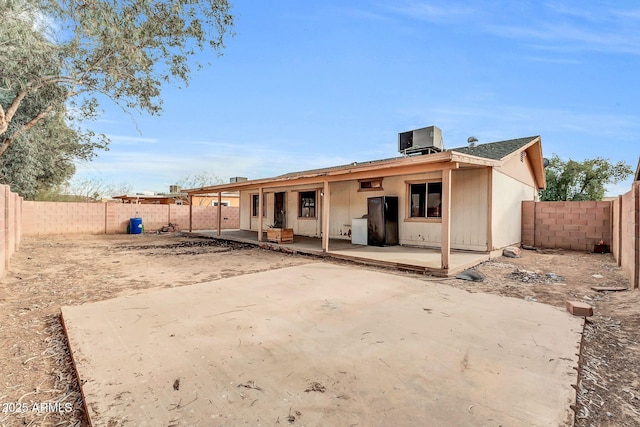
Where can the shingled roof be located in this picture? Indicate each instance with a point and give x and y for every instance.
(490, 154)
(495, 150)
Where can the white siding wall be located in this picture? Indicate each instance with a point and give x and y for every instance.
(248, 222)
(508, 194)
(245, 210)
(305, 227)
(469, 209)
(346, 204)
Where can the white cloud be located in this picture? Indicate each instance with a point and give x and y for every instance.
(568, 29)
(147, 171)
(552, 60)
(619, 188)
(429, 11)
(127, 139)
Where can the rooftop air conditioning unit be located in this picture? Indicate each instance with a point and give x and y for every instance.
(424, 141)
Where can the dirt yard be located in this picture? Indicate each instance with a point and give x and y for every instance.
(39, 386)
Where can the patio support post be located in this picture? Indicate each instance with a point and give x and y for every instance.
(489, 209)
(446, 218)
(260, 213)
(190, 213)
(219, 213)
(325, 216)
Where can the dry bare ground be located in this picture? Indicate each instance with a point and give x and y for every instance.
(39, 386)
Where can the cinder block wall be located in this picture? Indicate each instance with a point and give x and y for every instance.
(569, 225)
(4, 260)
(118, 216)
(44, 218)
(627, 228)
(205, 217)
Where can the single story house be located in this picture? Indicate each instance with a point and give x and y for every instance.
(466, 198)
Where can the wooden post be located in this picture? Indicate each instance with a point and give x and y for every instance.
(260, 213)
(489, 208)
(219, 213)
(446, 218)
(325, 216)
(190, 213)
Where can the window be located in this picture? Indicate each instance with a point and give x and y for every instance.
(425, 200)
(418, 192)
(307, 204)
(215, 203)
(374, 184)
(255, 200)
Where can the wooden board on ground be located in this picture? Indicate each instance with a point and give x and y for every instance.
(609, 288)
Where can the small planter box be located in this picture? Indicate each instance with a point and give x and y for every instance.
(280, 235)
(601, 249)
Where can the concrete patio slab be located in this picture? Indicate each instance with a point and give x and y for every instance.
(322, 344)
(426, 260)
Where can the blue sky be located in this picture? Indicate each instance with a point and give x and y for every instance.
(314, 84)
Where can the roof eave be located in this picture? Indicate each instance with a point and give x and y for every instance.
(459, 157)
(324, 174)
(534, 153)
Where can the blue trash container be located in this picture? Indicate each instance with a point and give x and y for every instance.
(135, 226)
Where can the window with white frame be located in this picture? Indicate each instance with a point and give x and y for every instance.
(425, 200)
(307, 204)
(255, 205)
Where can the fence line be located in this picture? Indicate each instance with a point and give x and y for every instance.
(45, 218)
(582, 225)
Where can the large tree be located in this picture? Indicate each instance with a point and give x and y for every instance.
(45, 156)
(71, 51)
(586, 180)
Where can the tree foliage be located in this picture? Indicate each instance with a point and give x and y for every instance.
(44, 157)
(198, 180)
(68, 52)
(89, 189)
(586, 180)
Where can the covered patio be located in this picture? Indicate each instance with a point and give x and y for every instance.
(422, 260)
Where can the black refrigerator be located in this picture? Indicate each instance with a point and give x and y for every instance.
(382, 221)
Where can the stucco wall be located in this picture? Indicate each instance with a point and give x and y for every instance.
(518, 167)
(506, 208)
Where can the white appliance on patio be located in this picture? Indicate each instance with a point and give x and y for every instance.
(359, 231)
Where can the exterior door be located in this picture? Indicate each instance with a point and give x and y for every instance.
(279, 218)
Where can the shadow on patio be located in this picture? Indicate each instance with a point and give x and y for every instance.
(421, 260)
